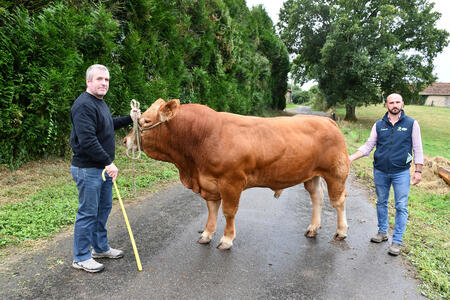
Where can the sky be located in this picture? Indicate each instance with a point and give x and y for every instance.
(441, 62)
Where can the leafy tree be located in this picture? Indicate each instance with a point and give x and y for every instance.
(274, 49)
(360, 51)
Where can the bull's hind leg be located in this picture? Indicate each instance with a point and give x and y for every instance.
(211, 223)
(337, 194)
(314, 187)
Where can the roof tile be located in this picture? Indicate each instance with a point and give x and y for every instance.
(437, 89)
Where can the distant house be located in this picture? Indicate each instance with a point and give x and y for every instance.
(437, 94)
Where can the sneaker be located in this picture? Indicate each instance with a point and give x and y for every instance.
(111, 253)
(89, 265)
(379, 237)
(395, 249)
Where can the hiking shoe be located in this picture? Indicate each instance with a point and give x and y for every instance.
(89, 265)
(379, 237)
(111, 253)
(395, 249)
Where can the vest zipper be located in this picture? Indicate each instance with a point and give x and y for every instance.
(390, 150)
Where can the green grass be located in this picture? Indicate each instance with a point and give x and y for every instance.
(40, 198)
(427, 234)
(291, 105)
(427, 239)
(42, 214)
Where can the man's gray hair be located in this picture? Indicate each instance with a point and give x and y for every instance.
(91, 69)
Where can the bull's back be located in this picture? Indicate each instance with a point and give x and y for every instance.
(283, 151)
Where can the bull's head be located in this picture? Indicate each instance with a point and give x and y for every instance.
(160, 112)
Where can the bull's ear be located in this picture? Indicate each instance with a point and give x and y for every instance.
(169, 110)
(159, 102)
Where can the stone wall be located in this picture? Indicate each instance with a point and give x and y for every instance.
(441, 101)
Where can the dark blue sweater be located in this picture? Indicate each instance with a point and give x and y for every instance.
(92, 137)
(394, 144)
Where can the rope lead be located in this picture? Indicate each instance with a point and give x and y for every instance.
(135, 136)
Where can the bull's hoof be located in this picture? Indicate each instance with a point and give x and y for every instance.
(339, 236)
(310, 233)
(203, 240)
(225, 243)
(224, 246)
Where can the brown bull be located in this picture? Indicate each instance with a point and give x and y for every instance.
(220, 154)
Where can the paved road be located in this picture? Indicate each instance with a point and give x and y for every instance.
(270, 259)
(306, 110)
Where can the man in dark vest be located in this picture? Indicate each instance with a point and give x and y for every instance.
(93, 145)
(396, 137)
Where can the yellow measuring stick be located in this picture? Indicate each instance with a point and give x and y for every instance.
(136, 254)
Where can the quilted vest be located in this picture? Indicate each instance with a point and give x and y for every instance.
(393, 152)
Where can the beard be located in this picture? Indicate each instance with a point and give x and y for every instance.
(395, 111)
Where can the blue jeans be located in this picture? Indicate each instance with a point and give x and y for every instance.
(401, 183)
(95, 203)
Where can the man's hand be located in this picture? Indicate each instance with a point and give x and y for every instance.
(417, 178)
(357, 155)
(417, 174)
(135, 113)
(112, 171)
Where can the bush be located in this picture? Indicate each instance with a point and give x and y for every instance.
(213, 52)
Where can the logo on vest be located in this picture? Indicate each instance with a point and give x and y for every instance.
(384, 129)
(409, 158)
(402, 128)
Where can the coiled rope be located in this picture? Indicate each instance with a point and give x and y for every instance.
(136, 134)
(135, 137)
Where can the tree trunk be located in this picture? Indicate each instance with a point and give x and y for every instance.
(350, 113)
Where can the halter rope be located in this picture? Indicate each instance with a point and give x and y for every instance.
(136, 135)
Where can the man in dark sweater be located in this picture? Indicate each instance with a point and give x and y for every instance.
(93, 145)
(396, 136)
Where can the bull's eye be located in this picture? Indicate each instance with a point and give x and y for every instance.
(147, 121)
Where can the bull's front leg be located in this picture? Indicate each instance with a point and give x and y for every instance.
(211, 223)
(230, 203)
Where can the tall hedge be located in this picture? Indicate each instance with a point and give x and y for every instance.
(204, 51)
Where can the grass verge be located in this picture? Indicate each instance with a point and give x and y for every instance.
(428, 230)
